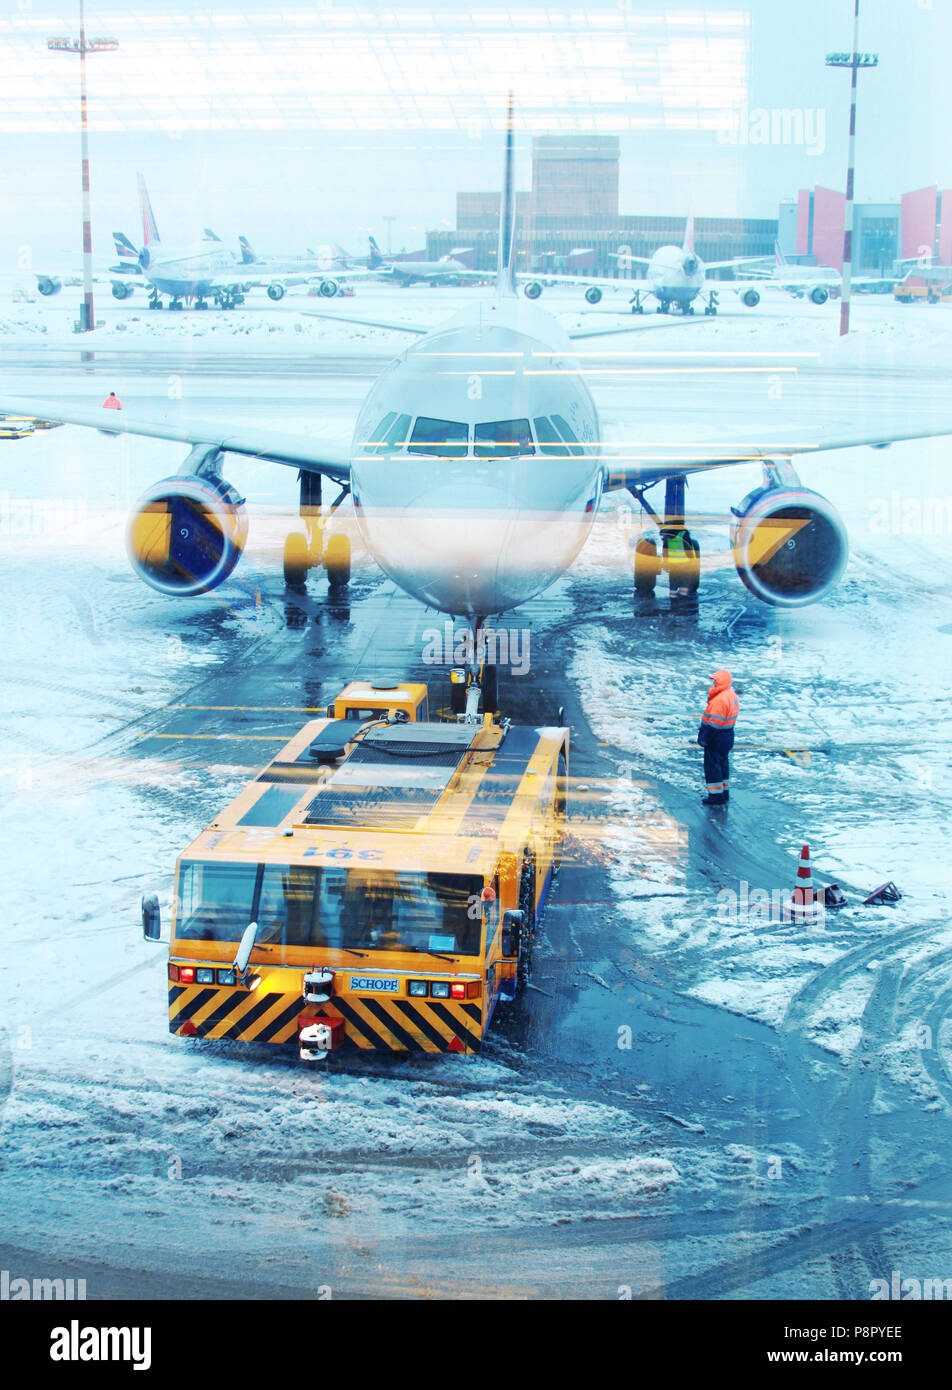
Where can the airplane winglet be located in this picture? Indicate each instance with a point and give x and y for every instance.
(506, 258)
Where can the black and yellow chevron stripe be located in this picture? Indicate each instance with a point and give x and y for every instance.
(370, 1023)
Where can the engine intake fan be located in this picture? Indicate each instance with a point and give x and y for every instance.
(790, 545)
(187, 534)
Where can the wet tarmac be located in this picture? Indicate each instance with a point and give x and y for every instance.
(802, 1171)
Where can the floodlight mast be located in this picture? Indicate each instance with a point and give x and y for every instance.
(87, 315)
(854, 61)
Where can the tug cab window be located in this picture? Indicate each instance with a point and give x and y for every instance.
(389, 434)
(501, 439)
(556, 438)
(439, 438)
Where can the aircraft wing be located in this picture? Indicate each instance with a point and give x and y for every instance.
(627, 466)
(738, 260)
(254, 441)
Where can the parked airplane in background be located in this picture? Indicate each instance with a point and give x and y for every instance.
(675, 276)
(474, 501)
(446, 271)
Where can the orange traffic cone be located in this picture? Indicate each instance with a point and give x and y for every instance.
(803, 907)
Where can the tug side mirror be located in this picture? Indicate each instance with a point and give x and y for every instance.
(245, 945)
(509, 934)
(151, 918)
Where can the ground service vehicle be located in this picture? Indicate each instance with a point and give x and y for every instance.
(377, 886)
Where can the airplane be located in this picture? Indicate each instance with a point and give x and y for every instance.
(817, 282)
(446, 271)
(674, 276)
(127, 265)
(476, 469)
(203, 270)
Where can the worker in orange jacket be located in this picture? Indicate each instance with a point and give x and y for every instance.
(112, 402)
(716, 737)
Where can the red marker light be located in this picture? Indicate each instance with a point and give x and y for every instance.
(187, 974)
(458, 991)
(488, 894)
(455, 1045)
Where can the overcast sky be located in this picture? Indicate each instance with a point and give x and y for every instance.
(309, 120)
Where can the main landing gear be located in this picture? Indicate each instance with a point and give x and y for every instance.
(306, 550)
(680, 556)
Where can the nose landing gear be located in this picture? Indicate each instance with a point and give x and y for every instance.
(474, 690)
(305, 550)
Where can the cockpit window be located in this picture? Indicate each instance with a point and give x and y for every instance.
(389, 434)
(439, 438)
(551, 441)
(502, 439)
(565, 431)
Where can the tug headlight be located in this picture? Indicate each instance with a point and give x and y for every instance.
(203, 976)
(440, 989)
(417, 989)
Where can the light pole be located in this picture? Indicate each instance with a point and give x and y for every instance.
(87, 316)
(389, 221)
(854, 61)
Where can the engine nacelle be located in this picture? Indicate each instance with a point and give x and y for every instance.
(186, 534)
(593, 294)
(48, 284)
(121, 291)
(532, 290)
(819, 295)
(790, 545)
(751, 298)
(276, 291)
(328, 288)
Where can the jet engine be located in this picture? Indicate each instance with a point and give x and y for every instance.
(790, 545)
(186, 534)
(276, 291)
(328, 288)
(751, 298)
(532, 290)
(819, 295)
(121, 291)
(48, 284)
(593, 294)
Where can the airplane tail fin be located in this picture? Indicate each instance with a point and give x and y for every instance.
(689, 232)
(375, 258)
(506, 256)
(209, 235)
(248, 256)
(150, 232)
(778, 252)
(127, 253)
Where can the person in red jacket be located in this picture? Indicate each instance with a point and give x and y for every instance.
(716, 737)
(112, 402)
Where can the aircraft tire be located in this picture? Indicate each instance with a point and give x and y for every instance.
(647, 568)
(337, 561)
(296, 559)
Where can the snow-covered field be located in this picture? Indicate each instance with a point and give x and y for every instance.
(129, 1148)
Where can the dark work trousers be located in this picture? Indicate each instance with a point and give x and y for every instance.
(716, 767)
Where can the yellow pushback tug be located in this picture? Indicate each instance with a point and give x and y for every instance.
(377, 886)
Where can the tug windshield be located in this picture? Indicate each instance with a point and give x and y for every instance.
(362, 910)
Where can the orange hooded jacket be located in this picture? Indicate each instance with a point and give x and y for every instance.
(720, 715)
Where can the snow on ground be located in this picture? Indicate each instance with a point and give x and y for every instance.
(840, 744)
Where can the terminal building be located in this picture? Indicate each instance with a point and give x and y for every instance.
(811, 230)
(569, 220)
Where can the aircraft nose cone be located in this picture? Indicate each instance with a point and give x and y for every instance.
(690, 265)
